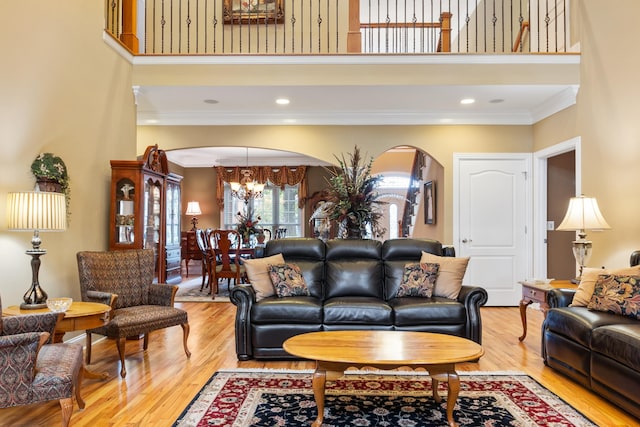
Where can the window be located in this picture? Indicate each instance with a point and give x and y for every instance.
(277, 208)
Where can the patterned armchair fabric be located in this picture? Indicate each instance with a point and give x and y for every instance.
(32, 372)
(125, 278)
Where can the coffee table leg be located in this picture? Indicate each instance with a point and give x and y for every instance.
(452, 396)
(319, 381)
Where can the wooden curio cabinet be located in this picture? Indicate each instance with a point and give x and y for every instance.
(145, 211)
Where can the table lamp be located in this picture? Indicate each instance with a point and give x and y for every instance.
(36, 211)
(193, 209)
(583, 214)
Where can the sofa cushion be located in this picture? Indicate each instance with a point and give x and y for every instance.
(396, 253)
(578, 323)
(450, 274)
(258, 274)
(287, 310)
(418, 280)
(308, 253)
(411, 311)
(354, 268)
(617, 295)
(588, 283)
(357, 311)
(619, 342)
(287, 280)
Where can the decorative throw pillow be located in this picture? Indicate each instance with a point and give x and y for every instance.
(258, 274)
(589, 279)
(287, 280)
(418, 280)
(617, 294)
(450, 274)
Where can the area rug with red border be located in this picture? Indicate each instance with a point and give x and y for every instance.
(387, 399)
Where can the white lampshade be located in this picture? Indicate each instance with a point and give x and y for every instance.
(583, 214)
(36, 210)
(193, 208)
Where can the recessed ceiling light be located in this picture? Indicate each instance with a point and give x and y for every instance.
(152, 121)
(290, 121)
(446, 121)
(282, 101)
(466, 101)
(210, 101)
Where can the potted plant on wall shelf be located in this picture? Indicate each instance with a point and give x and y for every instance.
(353, 198)
(51, 175)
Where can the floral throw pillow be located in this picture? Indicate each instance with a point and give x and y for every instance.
(287, 280)
(418, 280)
(617, 294)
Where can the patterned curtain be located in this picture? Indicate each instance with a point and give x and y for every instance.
(276, 175)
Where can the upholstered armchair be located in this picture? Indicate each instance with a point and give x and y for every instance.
(124, 279)
(32, 369)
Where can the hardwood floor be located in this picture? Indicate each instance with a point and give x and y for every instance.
(162, 381)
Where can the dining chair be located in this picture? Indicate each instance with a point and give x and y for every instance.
(139, 307)
(203, 240)
(227, 251)
(34, 370)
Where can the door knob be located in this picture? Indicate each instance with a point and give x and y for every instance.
(465, 240)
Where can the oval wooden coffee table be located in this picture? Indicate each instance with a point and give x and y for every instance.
(335, 351)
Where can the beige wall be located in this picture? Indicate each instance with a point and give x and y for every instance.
(322, 142)
(606, 119)
(63, 91)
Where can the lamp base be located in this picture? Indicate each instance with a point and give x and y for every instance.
(25, 306)
(35, 297)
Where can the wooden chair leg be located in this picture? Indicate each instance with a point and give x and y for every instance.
(78, 386)
(185, 335)
(88, 348)
(67, 409)
(145, 341)
(120, 344)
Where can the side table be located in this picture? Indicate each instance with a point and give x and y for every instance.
(537, 292)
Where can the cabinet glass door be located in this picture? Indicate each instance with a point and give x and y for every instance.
(125, 212)
(152, 212)
(173, 214)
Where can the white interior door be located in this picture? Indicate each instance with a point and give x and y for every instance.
(492, 220)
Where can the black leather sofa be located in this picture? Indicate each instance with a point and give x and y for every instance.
(599, 350)
(353, 284)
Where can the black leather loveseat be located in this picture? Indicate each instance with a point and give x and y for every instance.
(352, 285)
(599, 350)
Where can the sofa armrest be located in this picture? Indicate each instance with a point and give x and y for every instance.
(243, 296)
(560, 297)
(473, 297)
(162, 294)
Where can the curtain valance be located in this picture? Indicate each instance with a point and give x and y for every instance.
(276, 175)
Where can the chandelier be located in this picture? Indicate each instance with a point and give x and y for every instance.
(247, 188)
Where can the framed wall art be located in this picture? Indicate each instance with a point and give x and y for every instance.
(430, 202)
(253, 11)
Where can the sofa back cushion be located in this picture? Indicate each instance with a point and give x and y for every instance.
(396, 253)
(354, 268)
(306, 253)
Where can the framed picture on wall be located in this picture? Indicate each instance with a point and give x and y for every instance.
(430, 202)
(253, 11)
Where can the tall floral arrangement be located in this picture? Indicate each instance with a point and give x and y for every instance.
(353, 197)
